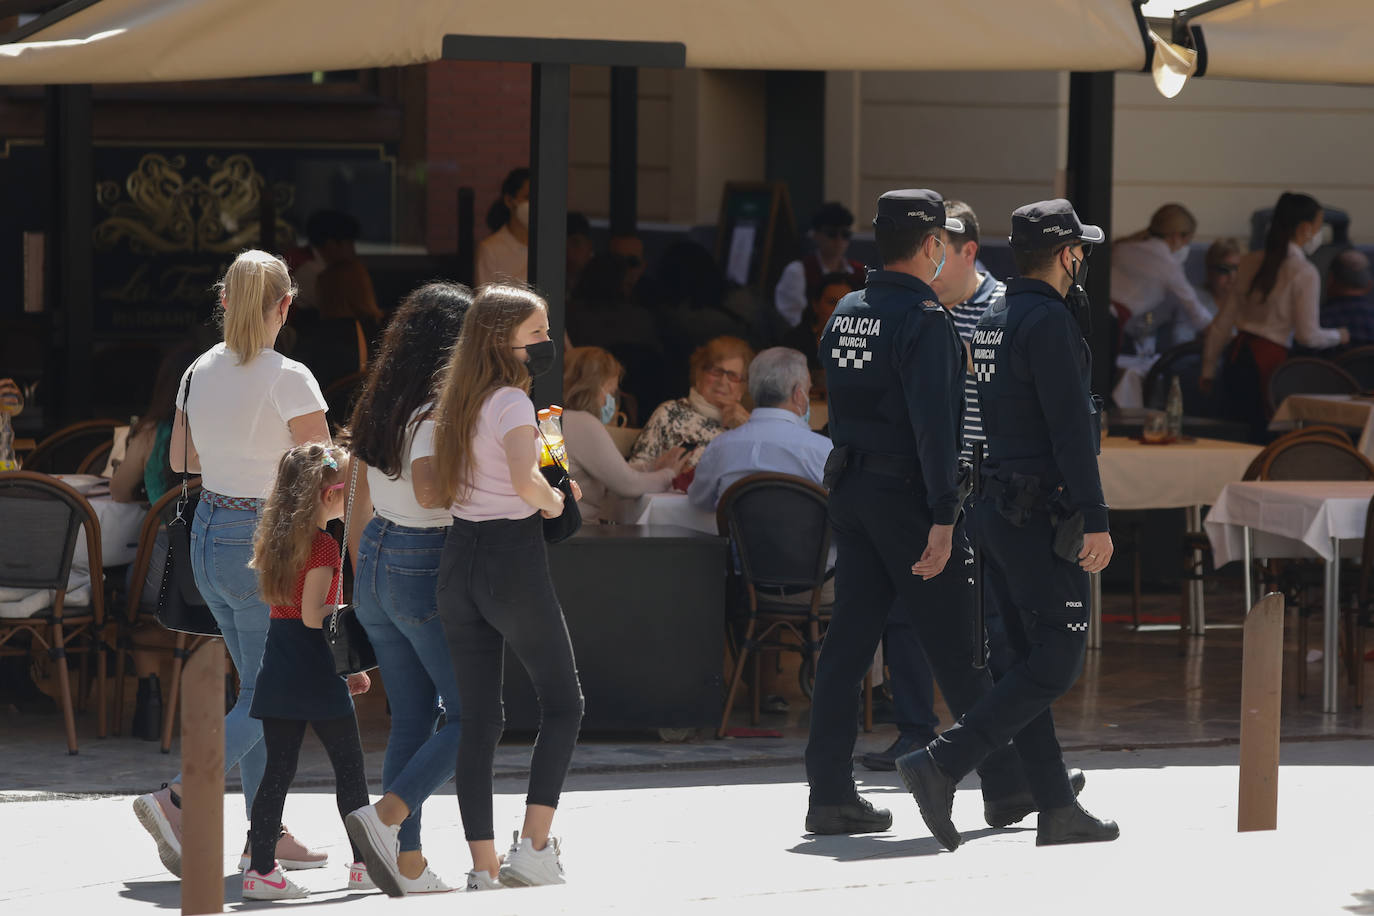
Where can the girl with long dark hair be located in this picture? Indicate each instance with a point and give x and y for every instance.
(1275, 300)
(397, 555)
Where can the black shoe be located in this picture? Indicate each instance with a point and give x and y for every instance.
(854, 816)
(1007, 811)
(1071, 824)
(886, 761)
(147, 723)
(934, 793)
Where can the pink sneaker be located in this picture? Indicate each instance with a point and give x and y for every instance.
(160, 814)
(292, 854)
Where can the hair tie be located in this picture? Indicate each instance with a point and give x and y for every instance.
(330, 462)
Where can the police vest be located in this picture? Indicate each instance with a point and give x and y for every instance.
(1012, 417)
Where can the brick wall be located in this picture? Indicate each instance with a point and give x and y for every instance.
(478, 130)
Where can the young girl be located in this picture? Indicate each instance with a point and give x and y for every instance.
(494, 587)
(299, 572)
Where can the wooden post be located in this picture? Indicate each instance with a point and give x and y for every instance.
(202, 786)
(1261, 694)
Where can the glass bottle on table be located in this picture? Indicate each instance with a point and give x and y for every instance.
(1173, 411)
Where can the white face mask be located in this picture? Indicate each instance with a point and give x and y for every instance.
(522, 213)
(1181, 256)
(1311, 245)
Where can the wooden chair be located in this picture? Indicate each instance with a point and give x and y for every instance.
(96, 459)
(64, 451)
(1308, 375)
(1359, 362)
(38, 543)
(779, 535)
(624, 438)
(139, 617)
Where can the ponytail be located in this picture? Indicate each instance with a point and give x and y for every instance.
(1290, 211)
(252, 287)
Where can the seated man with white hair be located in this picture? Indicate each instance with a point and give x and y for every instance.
(776, 439)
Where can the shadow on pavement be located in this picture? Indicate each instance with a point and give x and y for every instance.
(875, 846)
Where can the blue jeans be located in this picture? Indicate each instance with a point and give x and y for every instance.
(393, 592)
(221, 546)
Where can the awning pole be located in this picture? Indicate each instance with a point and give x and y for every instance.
(70, 221)
(550, 97)
(1092, 109)
(624, 204)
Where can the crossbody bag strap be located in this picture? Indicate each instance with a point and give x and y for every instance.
(185, 441)
(343, 548)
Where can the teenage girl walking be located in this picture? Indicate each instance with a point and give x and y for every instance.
(300, 573)
(494, 586)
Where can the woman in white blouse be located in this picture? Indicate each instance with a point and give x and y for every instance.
(591, 377)
(247, 405)
(1275, 300)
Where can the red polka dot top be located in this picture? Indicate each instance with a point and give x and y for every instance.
(324, 552)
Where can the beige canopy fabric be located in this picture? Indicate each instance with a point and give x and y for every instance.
(1299, 41)
(161, 40)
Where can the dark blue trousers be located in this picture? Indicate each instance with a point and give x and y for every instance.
(910, 680)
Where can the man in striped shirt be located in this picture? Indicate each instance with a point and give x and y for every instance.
(966, 292)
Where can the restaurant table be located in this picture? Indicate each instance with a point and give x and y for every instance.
(673, 508)
(1353, 411)
(645, 610)
(1295, 519)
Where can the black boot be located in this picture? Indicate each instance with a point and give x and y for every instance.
(854, 816)
(1003, 812)
(934, 793)
(147, 722)
(886, 761)
(1071, 824)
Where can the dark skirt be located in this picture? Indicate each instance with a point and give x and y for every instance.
(297, 680)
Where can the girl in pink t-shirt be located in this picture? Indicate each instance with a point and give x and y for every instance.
(494, 585)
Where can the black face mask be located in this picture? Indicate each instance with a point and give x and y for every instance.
(1077, 296)
(541, 356)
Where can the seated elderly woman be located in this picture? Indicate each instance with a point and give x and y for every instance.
(590, 378)
(719, 372)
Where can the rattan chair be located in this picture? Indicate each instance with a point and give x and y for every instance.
(779, 535)
(96, 459)
(1359, 362)
(65, 450)
(43, 517)
(1307, 375)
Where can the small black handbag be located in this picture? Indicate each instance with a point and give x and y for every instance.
(343, 631)
(179, 604)
(569, 522)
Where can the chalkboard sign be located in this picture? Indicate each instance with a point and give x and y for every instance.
(755, 236)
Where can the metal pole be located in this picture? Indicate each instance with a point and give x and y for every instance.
(1092, 109)
(1197, 611)
(71, 219)
(1248, 559)
(1331, 629)
(624, 150)
(550, 97)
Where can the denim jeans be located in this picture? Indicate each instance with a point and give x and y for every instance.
(221, 546)
(393, 592)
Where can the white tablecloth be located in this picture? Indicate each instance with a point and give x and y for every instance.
(675, 509)
(1350, 411)
(1289, 518)
(1174, 476)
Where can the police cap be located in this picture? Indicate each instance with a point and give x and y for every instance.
(915, 208)
(1050, 224)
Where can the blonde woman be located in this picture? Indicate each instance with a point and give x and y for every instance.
(591, 377)
(494, 588)
(247, 406)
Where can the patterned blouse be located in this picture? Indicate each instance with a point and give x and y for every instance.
(688, 421)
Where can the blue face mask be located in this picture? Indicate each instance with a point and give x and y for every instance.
(943, 254)
(806, 417)
(608, 409)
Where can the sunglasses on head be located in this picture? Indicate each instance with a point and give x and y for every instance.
(835, 232)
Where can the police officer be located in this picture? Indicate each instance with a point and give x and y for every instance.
(894, 368)
(1041, 523)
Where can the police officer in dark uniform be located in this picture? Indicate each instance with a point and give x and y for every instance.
(894, 367)
(1041, 522)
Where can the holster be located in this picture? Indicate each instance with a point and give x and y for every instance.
(965, 481)
(1068, 528)
(1015, 499)
(835, 465)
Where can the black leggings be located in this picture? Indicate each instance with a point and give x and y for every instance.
(494, 588)
(283, 737)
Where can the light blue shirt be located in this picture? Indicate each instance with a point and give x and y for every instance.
(774, 440)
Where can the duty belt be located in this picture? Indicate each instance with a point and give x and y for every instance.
(883, 465)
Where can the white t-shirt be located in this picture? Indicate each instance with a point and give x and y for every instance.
(502, 257)
(238, 416)
(493, 496)
(394, 500)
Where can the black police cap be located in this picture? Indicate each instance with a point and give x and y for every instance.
(915, 208)
(1050, 224)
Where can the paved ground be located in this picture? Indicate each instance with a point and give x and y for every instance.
(730, 841)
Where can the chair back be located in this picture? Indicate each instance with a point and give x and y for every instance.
(624, 438)
(1320, 431)
(779, 528)
(1314, 458)
(154, 523)
(1359, 362)
(43, 517)
(96, 459)
(64, 451)
(1308, 375)
(1184, 361)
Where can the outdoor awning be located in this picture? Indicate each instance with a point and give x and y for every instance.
(1300, 41)
(119, 41)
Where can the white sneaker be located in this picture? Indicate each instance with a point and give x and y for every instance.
(481, 880)
(272, 886)
(380, 845)
(358, 879)
(529, 867)
(427, 883)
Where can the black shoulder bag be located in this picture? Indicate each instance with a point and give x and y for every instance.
(343, 631)
(179, 604)
(569, 522)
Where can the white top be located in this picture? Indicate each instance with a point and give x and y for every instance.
(774, 440)
(492, 495)
(1145, 274)
(394, 500)
(1291, 309)
(789, 296)
(502, 256)
(600, 470)
(238, 416)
